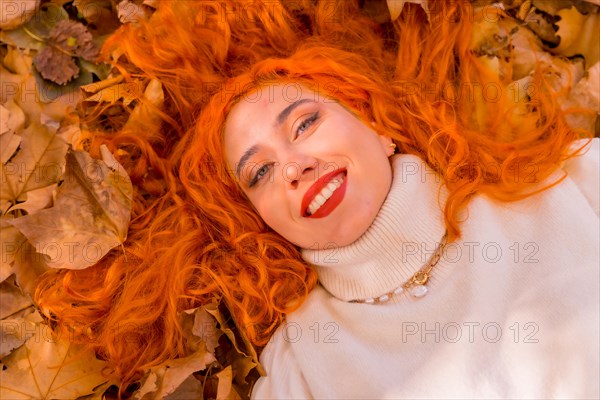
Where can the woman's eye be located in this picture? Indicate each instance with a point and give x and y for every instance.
(304, 125)
(262, 171)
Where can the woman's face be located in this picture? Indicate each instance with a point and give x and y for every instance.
(315, 173)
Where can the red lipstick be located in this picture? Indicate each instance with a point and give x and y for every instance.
(316, 188)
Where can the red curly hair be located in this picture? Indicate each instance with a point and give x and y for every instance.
(194, 234)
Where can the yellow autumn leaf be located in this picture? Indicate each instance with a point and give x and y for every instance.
(144, 115)
(47, 367)
(578, 35)
(129, 92)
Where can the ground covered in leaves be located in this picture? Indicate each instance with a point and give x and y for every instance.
(61, 208)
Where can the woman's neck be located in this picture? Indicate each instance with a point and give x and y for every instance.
(402, 237)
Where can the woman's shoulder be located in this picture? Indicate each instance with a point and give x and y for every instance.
(285, 378)
(584, 170)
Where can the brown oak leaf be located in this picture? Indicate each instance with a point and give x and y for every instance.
(74, 38)
(67, 39)
(55, 65)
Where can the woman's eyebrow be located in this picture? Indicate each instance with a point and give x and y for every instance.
(288, 110)
(244, 159)
(283, 115)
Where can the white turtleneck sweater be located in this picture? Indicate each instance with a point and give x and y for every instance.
(512, 309)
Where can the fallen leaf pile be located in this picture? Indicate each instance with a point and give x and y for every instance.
(61, 208)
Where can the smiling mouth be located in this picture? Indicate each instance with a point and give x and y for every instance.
(324, 195)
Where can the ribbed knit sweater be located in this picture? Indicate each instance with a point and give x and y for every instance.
(512, 309)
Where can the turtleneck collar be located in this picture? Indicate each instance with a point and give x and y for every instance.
(400, 240)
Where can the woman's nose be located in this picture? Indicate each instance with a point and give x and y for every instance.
(302, 168)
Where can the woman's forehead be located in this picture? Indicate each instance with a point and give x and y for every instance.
(276, 94)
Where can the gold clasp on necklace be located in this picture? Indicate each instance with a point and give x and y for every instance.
(420, 278)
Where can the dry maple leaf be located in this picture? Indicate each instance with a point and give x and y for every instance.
(8, 240)
(47, 367)
(200, 330)
(165, 378)
(19, 257)
(16, 117)
(145, 116)
(585, 94)
(4, 115)
(191, 388)
(15, 13)
(15, 331)
(9, 143)
(11, 83)
(225, 389)
(90, 215)
(37, 164)
(205, 327)
(37, 199)
(12, 300)
(129, 92)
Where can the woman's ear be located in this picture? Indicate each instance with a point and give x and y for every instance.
(388, 145)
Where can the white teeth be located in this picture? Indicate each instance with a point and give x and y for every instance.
(325, 194)
(320, 199)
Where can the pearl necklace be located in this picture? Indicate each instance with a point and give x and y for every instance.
(415, 285)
